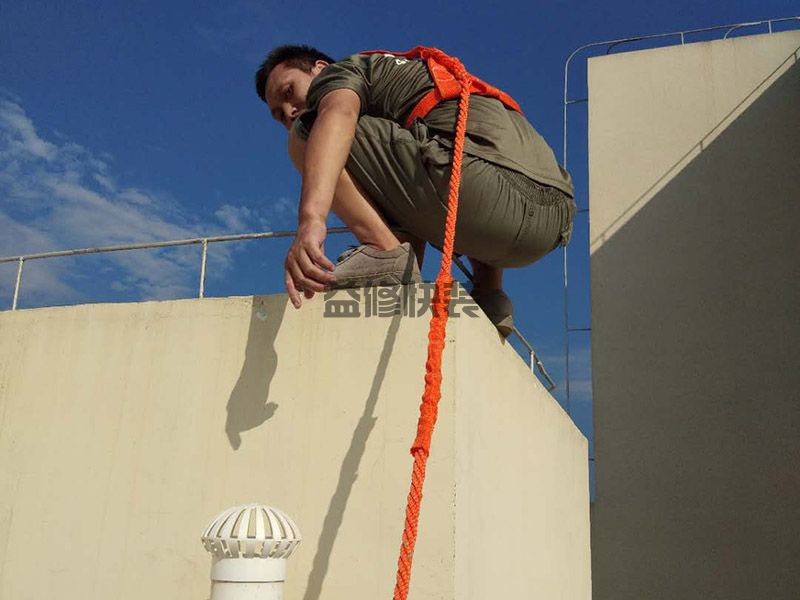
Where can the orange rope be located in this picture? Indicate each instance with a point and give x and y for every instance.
(433, 367)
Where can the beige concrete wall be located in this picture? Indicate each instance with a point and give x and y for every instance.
(125, 428)
(521, 481)
(695, 204)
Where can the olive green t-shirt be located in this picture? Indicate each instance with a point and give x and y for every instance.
(390, 86)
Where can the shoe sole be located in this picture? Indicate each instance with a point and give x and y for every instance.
(385, 279)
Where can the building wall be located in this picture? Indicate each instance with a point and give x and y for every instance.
(124, 428)
(521, 481)
(695, 206)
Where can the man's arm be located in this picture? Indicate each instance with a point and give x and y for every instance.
(325, 157)
(327, 150)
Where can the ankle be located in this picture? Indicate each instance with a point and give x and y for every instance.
(486, 285)
(485, 277)
(379, 242)
(383, 246)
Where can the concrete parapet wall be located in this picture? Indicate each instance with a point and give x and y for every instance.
(125, 427)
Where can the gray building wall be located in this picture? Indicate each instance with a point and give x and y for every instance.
(694, 156)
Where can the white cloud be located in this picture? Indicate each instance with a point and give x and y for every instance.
(105, 182)
(271, 215)
(42, 276)
(56, 194)
(234, 217)
(25, 140)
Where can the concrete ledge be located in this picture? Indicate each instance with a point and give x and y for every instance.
(125, 427)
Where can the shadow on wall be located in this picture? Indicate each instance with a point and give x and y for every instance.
(695, 315)
(248, 406)
(349, 471)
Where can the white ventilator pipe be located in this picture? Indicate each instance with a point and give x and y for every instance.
(249, 546)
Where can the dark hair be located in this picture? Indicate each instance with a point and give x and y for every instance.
(299, 57)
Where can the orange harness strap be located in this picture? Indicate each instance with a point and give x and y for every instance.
(433, 367)
(446, 85)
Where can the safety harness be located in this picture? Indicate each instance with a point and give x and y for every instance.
(446, 86)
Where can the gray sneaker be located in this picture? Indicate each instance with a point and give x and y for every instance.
(365, 266)
(497, 306)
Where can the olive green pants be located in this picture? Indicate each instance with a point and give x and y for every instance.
(504, 218)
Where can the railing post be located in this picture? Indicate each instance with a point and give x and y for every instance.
(203, 269)
(17, 284)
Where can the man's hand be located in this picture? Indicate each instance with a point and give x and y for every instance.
(307, 269)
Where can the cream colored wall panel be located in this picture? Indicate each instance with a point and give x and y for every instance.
(695, 266)
(126, 427)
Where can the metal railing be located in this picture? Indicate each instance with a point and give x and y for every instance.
(609, 45)
(534, 362)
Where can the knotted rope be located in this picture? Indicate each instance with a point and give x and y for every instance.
(433, 366)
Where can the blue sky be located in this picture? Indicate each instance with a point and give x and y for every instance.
(137, 121)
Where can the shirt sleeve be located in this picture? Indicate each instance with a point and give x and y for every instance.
(350, 74)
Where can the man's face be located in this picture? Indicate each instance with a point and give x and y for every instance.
(286, 91)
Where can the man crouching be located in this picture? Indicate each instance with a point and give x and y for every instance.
(386, 176)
